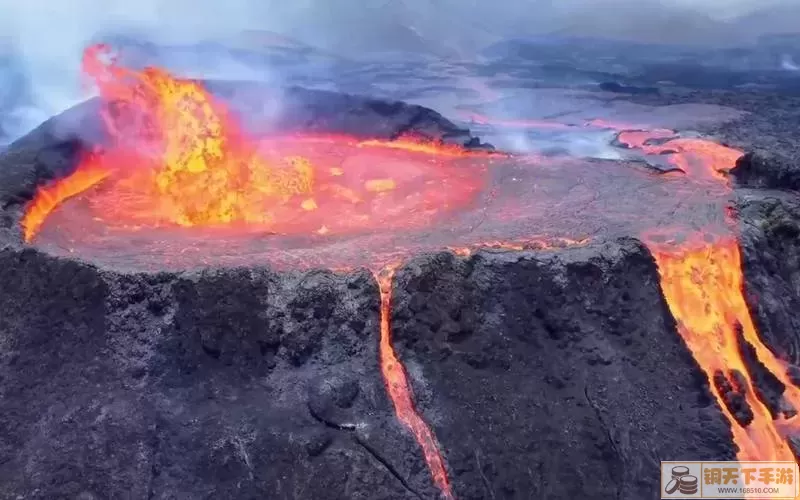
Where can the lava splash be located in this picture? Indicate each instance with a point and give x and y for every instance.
(177, 157)
(203, 169)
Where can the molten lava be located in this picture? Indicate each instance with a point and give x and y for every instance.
(91, 172)
(703, 285)
(201, 168)
(698, 158)
(399, 389)
(177, 157)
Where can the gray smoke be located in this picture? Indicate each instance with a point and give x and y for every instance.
(41, 41)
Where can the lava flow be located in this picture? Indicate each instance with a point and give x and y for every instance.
(48, 198)
(394, 375)
(702, 281)
(703, 284)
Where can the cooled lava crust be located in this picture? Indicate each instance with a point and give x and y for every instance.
(227, 363)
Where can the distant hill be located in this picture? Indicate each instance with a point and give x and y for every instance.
(654, 23)
(777, 19)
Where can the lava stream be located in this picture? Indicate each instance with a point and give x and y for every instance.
(702, 283)
(394, 376)
(90, 172)
(698, 158)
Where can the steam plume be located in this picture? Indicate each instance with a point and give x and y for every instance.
(41, 40)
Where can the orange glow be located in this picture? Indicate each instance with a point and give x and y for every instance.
(535, 243)
(200, 167)
(379, 185)
(399, 389)
(699, 158)
(702, 283)
(411, 143)
(177, 157)
(89, 173)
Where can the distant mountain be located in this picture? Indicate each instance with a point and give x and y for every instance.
(777, 19)
(654, 23)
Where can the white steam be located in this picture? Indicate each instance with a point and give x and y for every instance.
(787, 63)
(47, 36)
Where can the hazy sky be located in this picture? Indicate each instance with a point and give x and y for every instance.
(51, 34)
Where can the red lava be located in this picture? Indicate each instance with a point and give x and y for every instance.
(400, 390)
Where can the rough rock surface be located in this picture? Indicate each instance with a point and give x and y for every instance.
(553, 375)
(224, 384)
(770, 243)
(761, 169)
(556, 374)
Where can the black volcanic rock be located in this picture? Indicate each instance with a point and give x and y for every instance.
(158, 386)
(770, 244)
(765, 170)
(554, 373)
(619, 88)
(304, 110)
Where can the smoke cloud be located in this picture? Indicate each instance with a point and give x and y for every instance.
(41, 41)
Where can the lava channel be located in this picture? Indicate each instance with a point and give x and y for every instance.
(702, 281)
(394, 375)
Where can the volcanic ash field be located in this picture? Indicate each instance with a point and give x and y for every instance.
(343, 297)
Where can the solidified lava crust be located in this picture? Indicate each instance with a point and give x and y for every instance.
(523, 343)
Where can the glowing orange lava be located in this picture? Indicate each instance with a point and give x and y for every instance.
(177, 157)
(196, 166)
(47, 198)
(410, 143)
(699, 158)
(399, 389)
(703, 285)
